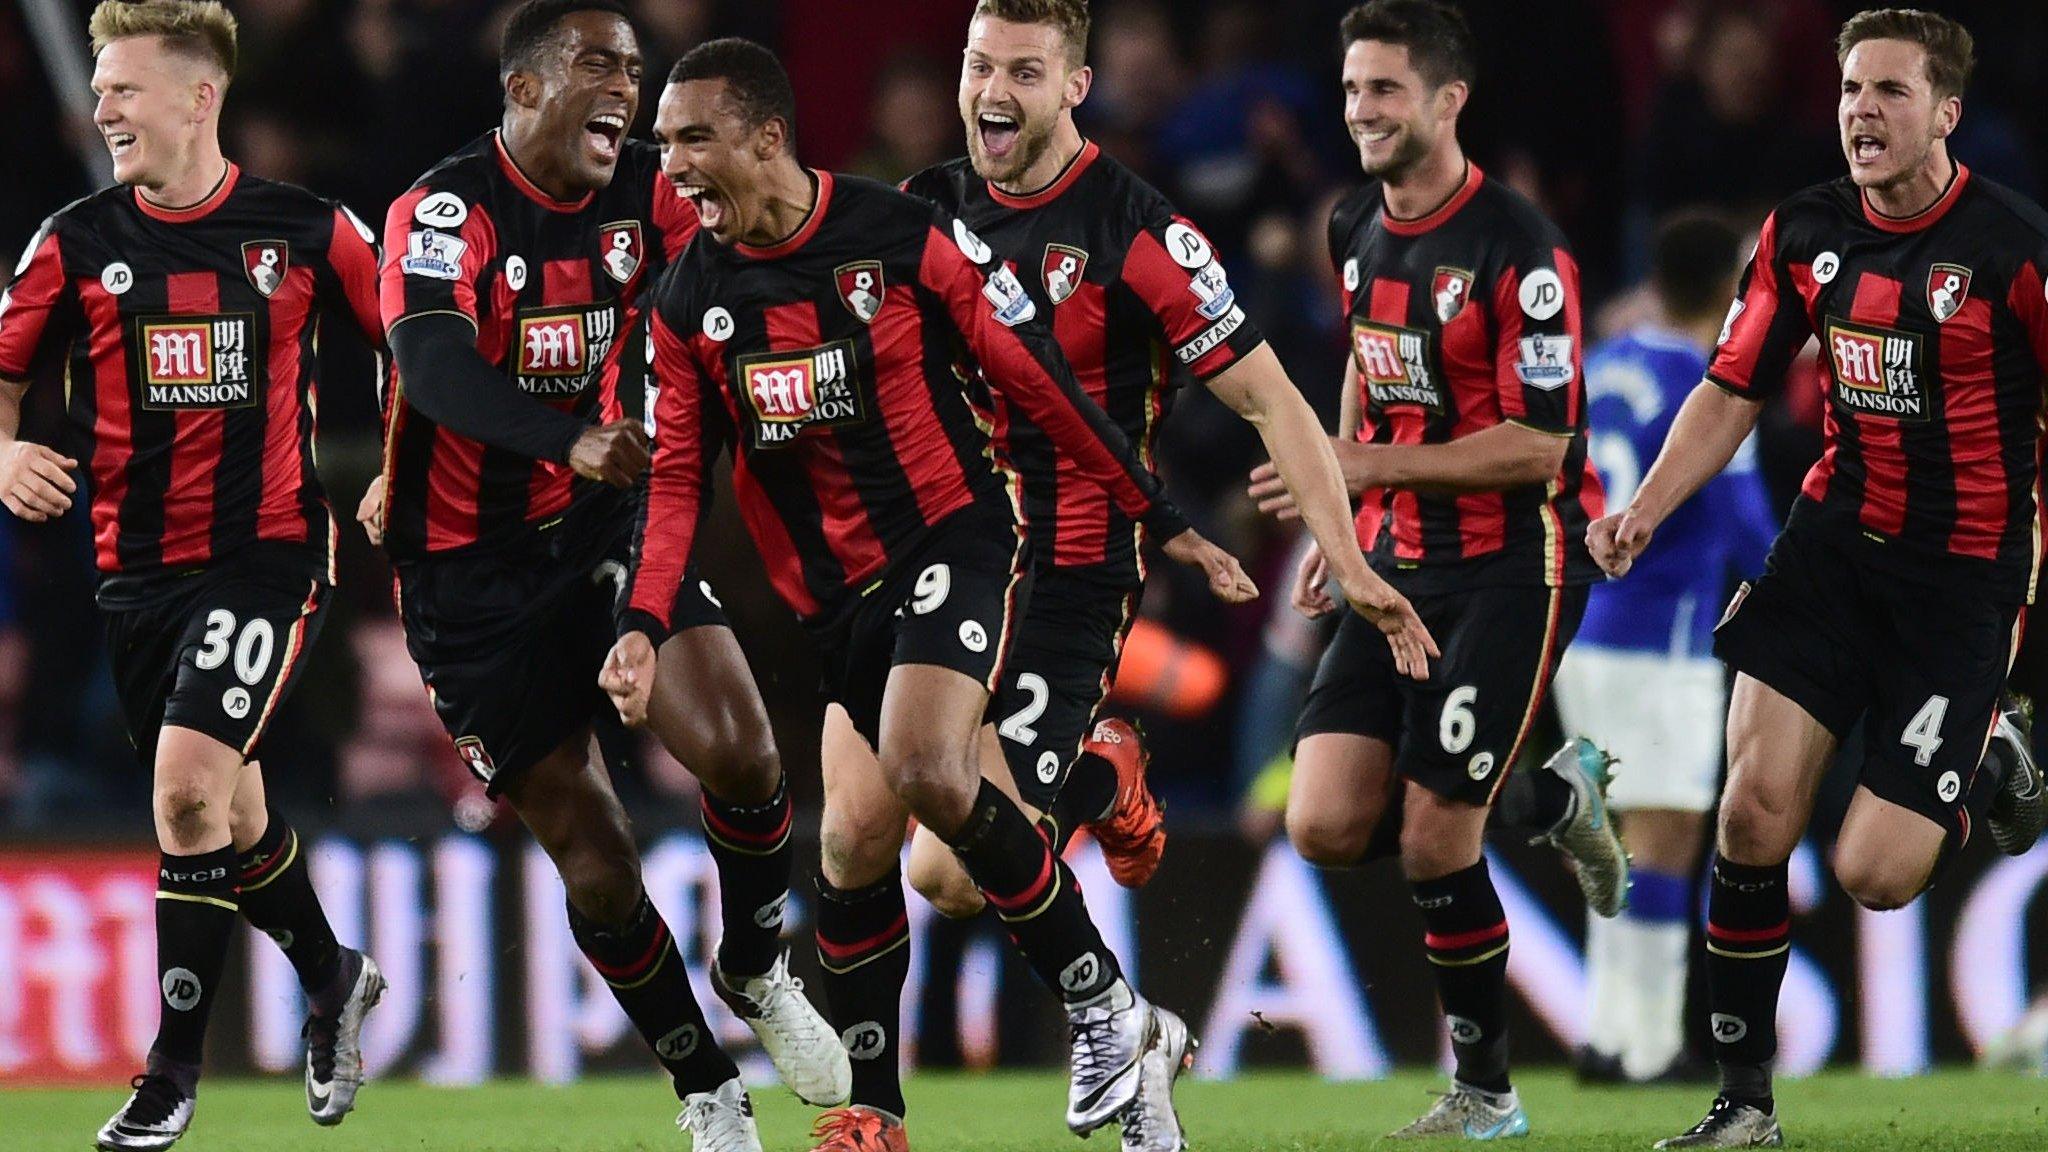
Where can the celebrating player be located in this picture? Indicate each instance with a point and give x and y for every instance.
(184, 303)
(1133, 287)
(512, 274)
(813, 326)
(1640, 677)
(1895, 594)
(1463, 429)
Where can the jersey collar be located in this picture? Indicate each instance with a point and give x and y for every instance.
(804, 232)
(528, 188)
(1054, 190)
(1449, 208)
(1926, 217)
(191, 212)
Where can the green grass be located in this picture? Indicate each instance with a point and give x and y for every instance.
(1016, 1112)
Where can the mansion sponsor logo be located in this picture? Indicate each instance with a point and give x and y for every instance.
(1397, 365)
(792, 391)
(562, 351)
(196, 362)
(1877, 371)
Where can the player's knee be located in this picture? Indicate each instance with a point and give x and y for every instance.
(854, 852)
(1755, 823)
(1324, 841)
(937, 783)
(601, 871)
(944, 884)
(745, 769)
(1880, 886)
(188, 811)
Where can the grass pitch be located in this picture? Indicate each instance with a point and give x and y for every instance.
(1021, 1112)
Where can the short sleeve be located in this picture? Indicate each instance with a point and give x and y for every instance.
(1539, 345)
(1175, 272)
(437, 244)
(30, 308)
(1767, 324)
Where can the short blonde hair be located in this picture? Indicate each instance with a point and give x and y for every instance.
(202, 30)
(1069, 16)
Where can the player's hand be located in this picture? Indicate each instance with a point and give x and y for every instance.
(1226, 576)
(35, 481)
(1616, 540)
(628, 677)
(1273, 498)
(1395, 617)
(614, 453)
(370, 512)
(1310, 594)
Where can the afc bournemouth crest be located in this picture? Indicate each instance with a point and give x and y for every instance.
(1948, 285)
(478, 761)
(622, 249)
(1062, 271)
(1447, 292)
(264, 261)
(860, 288)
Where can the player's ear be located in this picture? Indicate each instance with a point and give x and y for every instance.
(522, 89)
(1079, 82)
(1947, 115)
(1453, 96)
(771, 139)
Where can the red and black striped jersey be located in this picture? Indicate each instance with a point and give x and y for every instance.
(1933, 336)
(187, 338)
(1139, 303)
(552, 288)
(1459, 321)
(830, 362)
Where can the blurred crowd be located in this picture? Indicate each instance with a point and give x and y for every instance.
(1611, 114)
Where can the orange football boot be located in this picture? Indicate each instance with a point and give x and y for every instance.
(1133, 835)
(858, 1129)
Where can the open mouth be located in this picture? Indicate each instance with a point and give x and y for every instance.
(120, 143)
(1865, 149)
(604, 133)
(1373, 137)
(711, 207)
(998, 131)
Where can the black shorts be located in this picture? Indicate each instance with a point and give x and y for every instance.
(216, 653)
(1458, 733)
(951, 603)
(510, 642)
(1920, 664)
(1058, 675)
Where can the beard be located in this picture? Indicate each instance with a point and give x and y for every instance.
(1406, 155)
(1032, 142)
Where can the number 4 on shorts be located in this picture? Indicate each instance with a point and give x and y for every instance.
(1923, 734)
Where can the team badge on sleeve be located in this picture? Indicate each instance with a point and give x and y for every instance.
(860, 288)
(1062, 271)
(1448, 292)
(622, 249)
(264, 261)
(1948, 285)
(1006, 293)
(1546, 362)
(435, 255)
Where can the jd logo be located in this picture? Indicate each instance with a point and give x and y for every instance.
(181, 989)
(1082, 974)
(1728, 1029)
(1464, 1031)
(865, 1040)
(769, 915)
(678, 1044)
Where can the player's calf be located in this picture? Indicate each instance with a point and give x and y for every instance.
(937, 875)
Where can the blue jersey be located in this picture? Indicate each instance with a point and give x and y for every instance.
(1671, 597)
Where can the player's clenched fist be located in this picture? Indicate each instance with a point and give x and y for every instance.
(35, 481)
(1617, 540)
(614, 453)
(1227, 579)
(628, 677)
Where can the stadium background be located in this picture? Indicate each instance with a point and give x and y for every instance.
(1610, 113)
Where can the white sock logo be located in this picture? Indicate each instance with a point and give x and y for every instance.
(678, 1044)
(1728, 1029)
(181, 989)
(865, 1041)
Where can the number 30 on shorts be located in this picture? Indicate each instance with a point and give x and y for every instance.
(252, 649)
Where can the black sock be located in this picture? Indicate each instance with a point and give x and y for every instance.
(639, 961)
(1533, 802)
(195, 919)
(1087, 796)
(864, 950)
(1036, 897)
(1465, 935)
(277, 897)
(1749, 933)
(751, 846)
